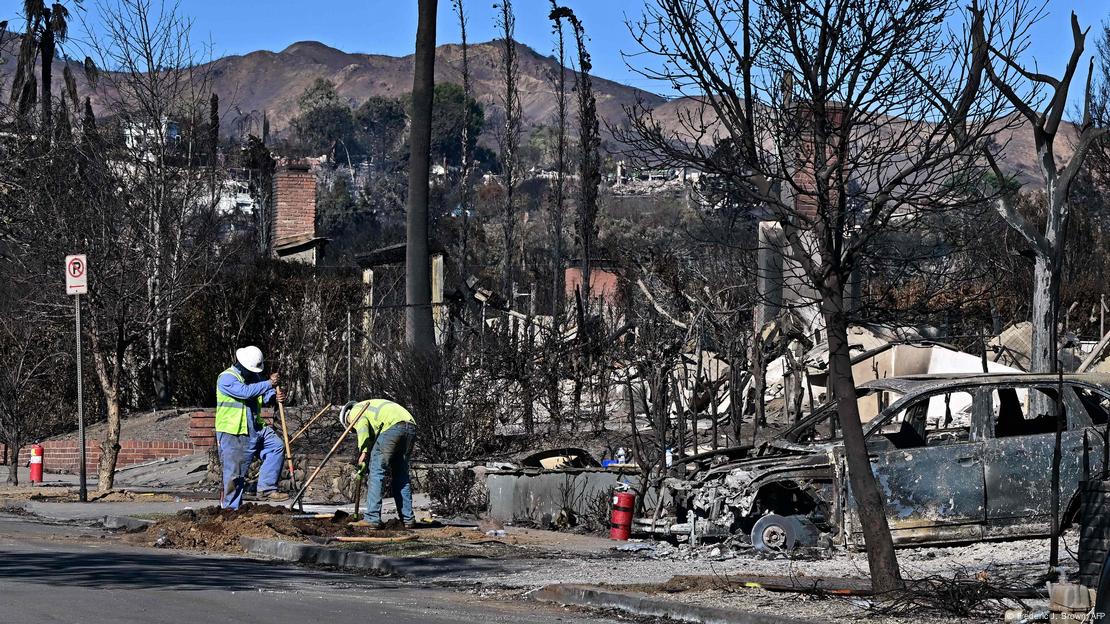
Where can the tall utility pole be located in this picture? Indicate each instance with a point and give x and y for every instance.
(419, 329)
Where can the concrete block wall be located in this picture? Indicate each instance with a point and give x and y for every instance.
(294, 204)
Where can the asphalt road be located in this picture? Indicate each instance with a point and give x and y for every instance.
(70, 574)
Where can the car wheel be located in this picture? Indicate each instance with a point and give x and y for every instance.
(776, 534)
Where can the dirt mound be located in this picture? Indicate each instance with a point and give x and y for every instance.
(215, 529)
(218, 529)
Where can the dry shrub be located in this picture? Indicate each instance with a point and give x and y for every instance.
(456, 492)
(455, 408)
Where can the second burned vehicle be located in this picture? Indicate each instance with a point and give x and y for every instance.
(957, 458)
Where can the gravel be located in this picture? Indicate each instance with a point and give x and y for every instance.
(1021, 562)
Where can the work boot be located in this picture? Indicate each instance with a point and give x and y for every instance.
(412, 524)
(274, 497)
(367, 524)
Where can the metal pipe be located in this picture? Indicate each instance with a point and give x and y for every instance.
(83, 490)
(348, 354)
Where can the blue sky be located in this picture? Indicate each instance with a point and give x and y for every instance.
(389, 26)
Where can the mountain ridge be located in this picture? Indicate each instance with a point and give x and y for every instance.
(358, 76)
(268, 82)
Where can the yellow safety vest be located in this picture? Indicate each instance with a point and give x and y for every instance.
(379, 415)
(232, 414)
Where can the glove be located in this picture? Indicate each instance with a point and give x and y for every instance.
(363, 466)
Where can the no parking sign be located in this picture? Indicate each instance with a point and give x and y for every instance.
(77, 275)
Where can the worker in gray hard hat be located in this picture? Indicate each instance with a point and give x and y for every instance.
(241, 433)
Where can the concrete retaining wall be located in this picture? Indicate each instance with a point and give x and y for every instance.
(539, 496)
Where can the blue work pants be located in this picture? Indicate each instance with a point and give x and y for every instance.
(391, 452)
(236, 454)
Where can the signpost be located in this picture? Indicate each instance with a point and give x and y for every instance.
(77, 284)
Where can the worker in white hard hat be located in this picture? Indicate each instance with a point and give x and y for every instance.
(242, 435)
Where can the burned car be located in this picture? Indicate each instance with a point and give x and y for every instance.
(957, 458)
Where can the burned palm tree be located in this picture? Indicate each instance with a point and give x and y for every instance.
(46, 28)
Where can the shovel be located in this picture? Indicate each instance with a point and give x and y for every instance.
(288, 451)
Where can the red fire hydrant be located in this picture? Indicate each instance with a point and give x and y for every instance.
(620, 522)
(36, 463)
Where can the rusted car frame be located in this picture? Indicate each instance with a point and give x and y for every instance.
(947, 477)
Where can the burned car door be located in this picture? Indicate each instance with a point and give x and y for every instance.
(930, 471)
(1018, 461)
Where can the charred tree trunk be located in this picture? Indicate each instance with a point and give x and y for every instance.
(1045, 285)
(109, 381)
(109, 448)
(558, 200)
(509, 143)
(12, 453)
(589, 145)
(467, 155)
(46, 51)
(885, 575)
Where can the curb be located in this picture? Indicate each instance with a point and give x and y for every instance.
(644, 605)
(427, 568)
(14, 504)
(125, 522)
(297, 552)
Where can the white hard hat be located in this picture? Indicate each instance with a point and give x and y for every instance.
(345, 413)
(250, 358)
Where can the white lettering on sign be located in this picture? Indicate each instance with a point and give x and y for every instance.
(77, 275)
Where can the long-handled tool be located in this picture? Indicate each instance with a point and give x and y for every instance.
(309, 423)
(334, 448)
(358, 489)
(288, 450)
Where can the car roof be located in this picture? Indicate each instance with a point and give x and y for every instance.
(927, 383)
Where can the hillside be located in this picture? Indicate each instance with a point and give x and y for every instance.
(1017, 152)
(271, 82)
(359, 76)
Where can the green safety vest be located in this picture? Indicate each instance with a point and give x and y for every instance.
(231, 413)
(379, 415)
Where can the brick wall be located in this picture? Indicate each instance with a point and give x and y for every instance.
(603, 284)
(62, 455)
(202, 429)
(294, 204)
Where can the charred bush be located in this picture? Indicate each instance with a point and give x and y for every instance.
(456, 492)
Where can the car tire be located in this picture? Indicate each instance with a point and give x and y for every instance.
(779, 534)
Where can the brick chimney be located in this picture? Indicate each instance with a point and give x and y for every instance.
(805, 202)
(293, 214)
